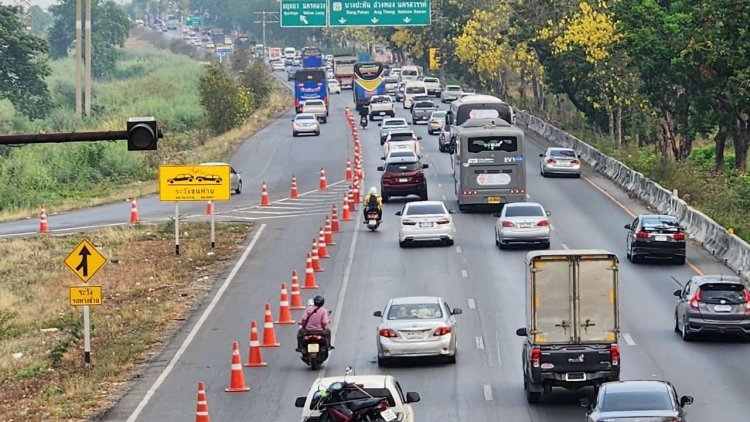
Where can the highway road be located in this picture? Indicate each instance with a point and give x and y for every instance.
(366, 269)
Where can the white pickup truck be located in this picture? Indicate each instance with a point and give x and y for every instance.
(402, 139)
(384, 386)
(381, 105)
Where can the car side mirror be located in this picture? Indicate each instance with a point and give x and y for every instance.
(425, 166)
(451, 211)
(398, 213)
(677, 293)
(686, 400)
(627, 226)
(292, 119)
(457, 311)
(300, 401)
(521, 332)
(380, 124)
(541, 155)
(419, 138)
(548, 213)
(378, 314)
(584, 402)
(412, 397)
(382, 157)
(381, 168)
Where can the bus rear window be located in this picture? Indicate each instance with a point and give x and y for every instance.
(492, 143)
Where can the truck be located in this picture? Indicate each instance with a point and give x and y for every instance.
(381, 105)
(217, 36)
(572, 321)
(343, 69)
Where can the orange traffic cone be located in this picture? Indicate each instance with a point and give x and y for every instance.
(269, 335)
(264, 202)
(315, 257)
(335, 220)
(285, 315)
(43, 220)
(134, 219)
(296, 302)
(322, 248)
(294, 192)
(357, 192)
(309, 274)
(201, 410)
(348, 170)
(254, 360)
(323, 183)
(352, 203)
(345, 216)
(210, 208)
(360, 173)
(329, 232)
(237, 379)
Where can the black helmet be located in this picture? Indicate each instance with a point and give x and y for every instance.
(319, 300)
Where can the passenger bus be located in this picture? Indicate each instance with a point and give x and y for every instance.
(343, 69)
(369, 80)
(312, 58)
(488, 163)
(309, 84)
(475, 106)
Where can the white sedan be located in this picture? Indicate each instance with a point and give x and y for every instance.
(277, 66)
(333, 86)
(425, 221)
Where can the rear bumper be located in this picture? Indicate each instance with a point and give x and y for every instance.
(413, 233)
(700, 325)
(562, 170)
(666, 250)
(526, 236)
(403, 189)
(559, 379)
(390, 349)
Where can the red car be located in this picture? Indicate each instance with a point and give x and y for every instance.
(403, 176)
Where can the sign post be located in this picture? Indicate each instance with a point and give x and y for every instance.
(85, 261)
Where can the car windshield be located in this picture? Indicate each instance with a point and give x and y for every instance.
(493, 143)
(424, 209)
(415, 311)
(452, 88)
(391, 80)
(636, 401)
(524, 211)
(396, 122)
(431, 80)
(398, 154)
(380, 99)
(314, 103)
(562, 153)
(438, 115)
(402, 167)
(424, 104)
(401, 137)
(660, 223)
(305, 117)
(718, 292)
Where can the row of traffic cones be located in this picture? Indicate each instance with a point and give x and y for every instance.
(294, 192)
(44, 225)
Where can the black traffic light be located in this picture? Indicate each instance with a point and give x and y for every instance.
(142, 134)
(438, 58)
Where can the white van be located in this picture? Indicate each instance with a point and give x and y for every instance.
(290, 53)
(411, 90)
(410, 73)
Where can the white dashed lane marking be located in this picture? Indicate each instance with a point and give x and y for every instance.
(464, 274)
(487, 392)
(480, 342)
(472, 304)
(628, 339)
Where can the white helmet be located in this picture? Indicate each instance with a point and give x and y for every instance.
(373, 190)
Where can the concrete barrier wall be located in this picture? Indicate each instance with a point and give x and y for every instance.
(729, 248)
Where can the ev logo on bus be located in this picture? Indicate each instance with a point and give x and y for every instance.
(516, 159)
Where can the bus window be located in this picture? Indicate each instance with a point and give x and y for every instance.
(492, 143)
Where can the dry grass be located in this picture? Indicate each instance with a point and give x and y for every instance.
(147, 291)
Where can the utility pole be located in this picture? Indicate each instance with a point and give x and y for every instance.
(79, 64)
(266, 17)
(87, 100)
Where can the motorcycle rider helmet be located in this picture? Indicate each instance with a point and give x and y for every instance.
(373, 190)
(319, 300)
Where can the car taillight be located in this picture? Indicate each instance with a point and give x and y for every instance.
(408, 223)
(441, 331)
(575, 162)
(695, 299)
(536, 356)
(507, 223)
(747, 301)
(614, 354)
(387, 332)
(551, 161)
(383, 406)
(444, 221)
(543, 223)
(642, 234)
(678, 236)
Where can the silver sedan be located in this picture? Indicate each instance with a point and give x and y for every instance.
(560, 161)
(417, 326)
(522, 222)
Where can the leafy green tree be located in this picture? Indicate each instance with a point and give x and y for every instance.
(226, 104)
(258, 81)
(40, 20)
(109, 31)
(23, 67)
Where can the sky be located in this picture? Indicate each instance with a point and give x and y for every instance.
(44, 4)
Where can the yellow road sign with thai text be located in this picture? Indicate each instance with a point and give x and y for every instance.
(194, 183)
(86, 295)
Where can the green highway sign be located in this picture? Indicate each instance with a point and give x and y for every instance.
(193, 21)
(380, 12)
(303, 13)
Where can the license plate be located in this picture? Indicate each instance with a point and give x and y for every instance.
(381, 113)
(722, 308)
(493, 200)
(660, 238)
(564, 164)
(425, 224)
(373, 222)
(575, 376)
(403, 180)
(413, 334)
(525, 225)
(388, 415)
(313, 348)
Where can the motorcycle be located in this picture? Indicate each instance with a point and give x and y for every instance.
(363, 122)
(315, 349)
(373, 220)
(347, 402)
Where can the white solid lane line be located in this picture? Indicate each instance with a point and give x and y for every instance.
(628, 339)
(487, 392)
(189, 339)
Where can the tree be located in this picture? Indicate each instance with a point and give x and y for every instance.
(22, 66)
(40, 20)
(256, 79)
(109, 30)
(225, 104)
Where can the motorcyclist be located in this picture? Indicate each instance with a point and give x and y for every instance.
(363, 116)
(315, 318)
(373, 202)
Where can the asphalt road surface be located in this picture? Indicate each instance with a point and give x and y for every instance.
(366, 269)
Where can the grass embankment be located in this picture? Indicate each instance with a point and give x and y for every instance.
(147, 291)
(149, 81)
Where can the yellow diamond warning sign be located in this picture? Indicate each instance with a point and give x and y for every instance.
(85, 260)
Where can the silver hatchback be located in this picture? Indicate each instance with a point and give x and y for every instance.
(522, 222)
(417, 326)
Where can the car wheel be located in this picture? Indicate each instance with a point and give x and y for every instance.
(449, 242)
(381, 362)
(239, 188)
(676, 324)
(578, 175)
(502, 245)
(541, 171)
(294, 134)
(532, 397)
(679, 260)
(402, 243)
(686, 336)
(545, 245)
(440, 147)
(497, 239)
(385, 196)
(317, 133)
(325, 121)
(451, 358)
